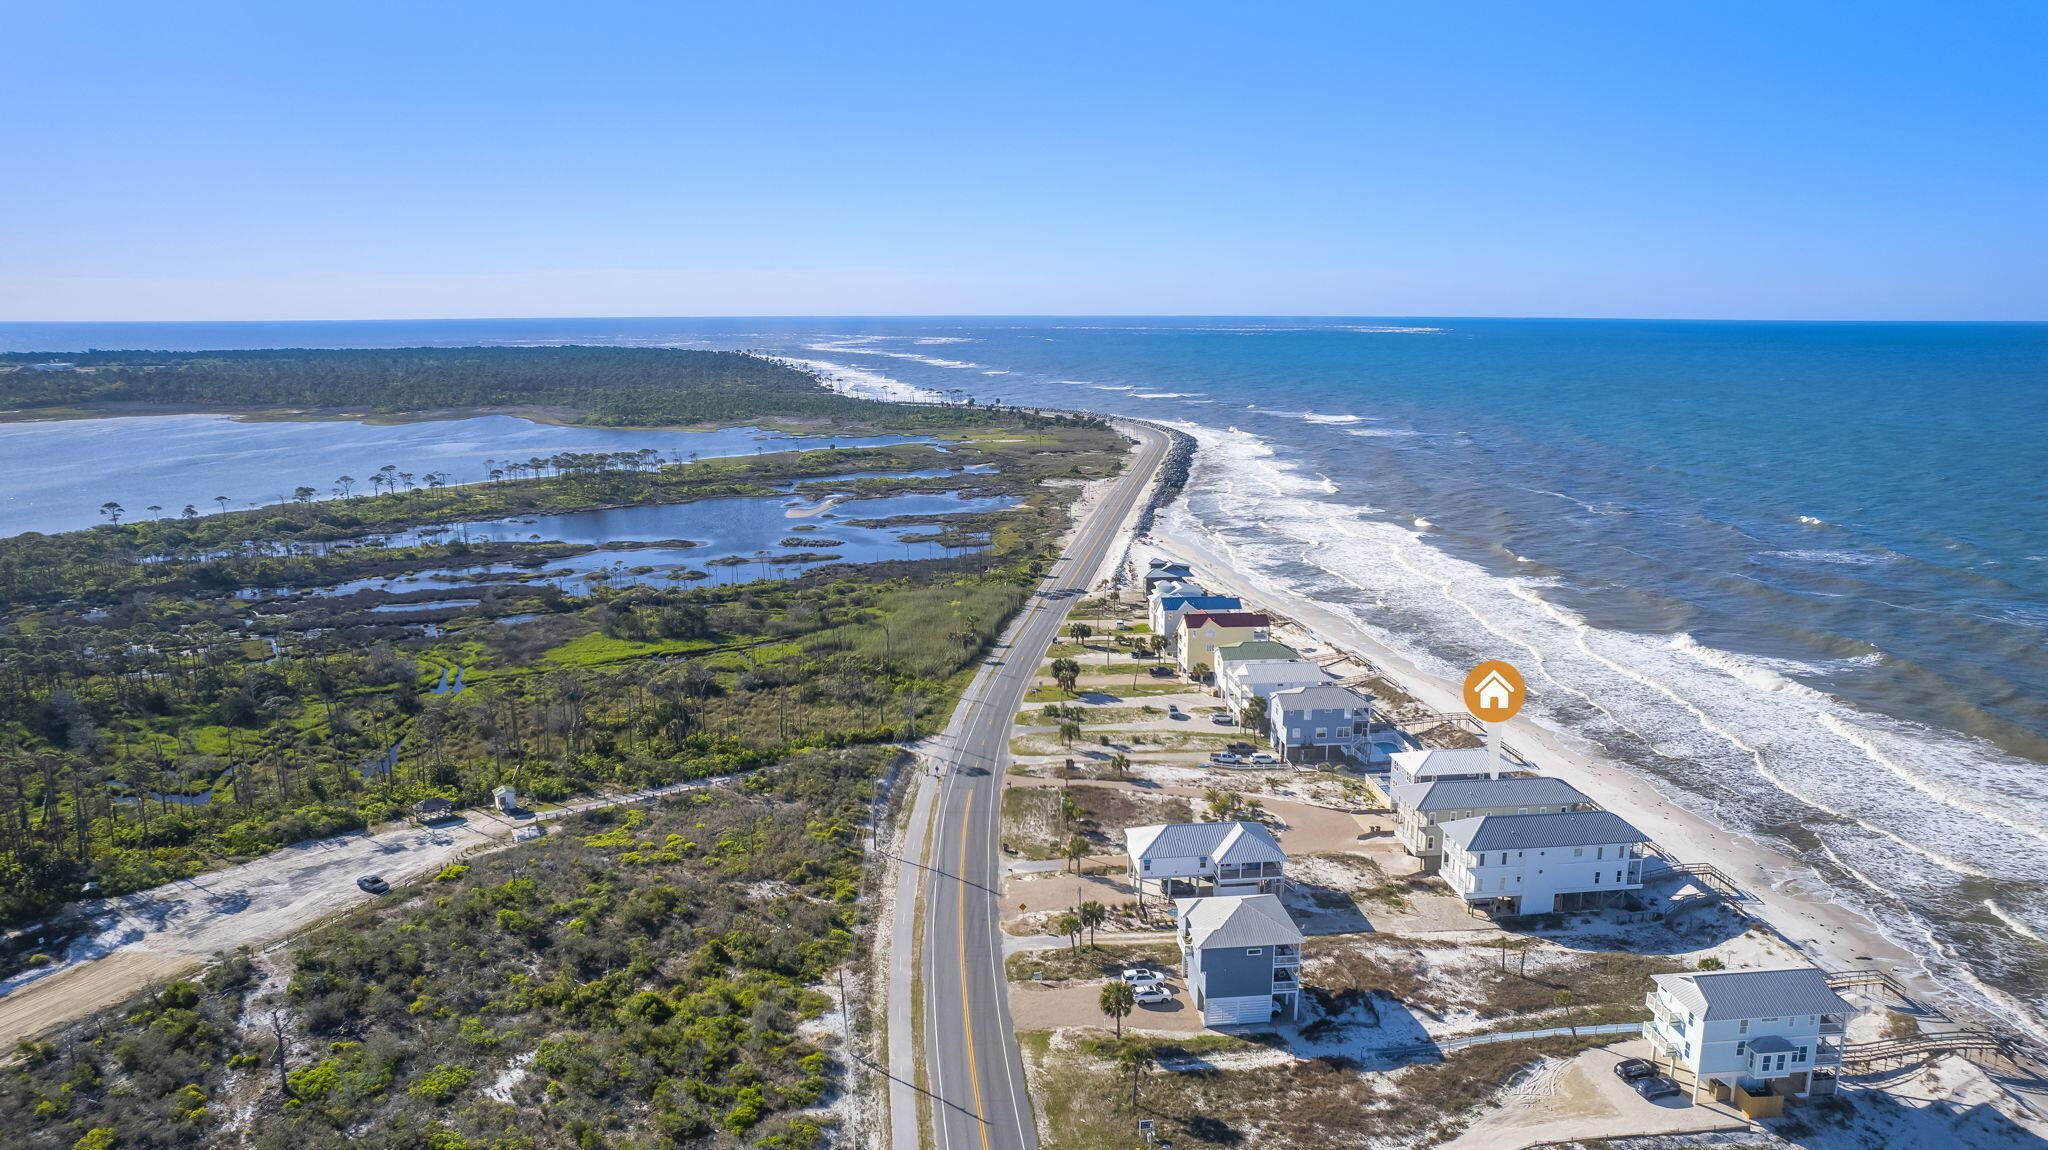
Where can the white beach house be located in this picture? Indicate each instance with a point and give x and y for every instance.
(1536, 864)
(1421, 809)
(1455, 763)
(1242, 958)
(1749, 1036)
(1228, 858)
(1258, 668)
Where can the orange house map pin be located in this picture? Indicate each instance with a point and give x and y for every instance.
(1494, 692)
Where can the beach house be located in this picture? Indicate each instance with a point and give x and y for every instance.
(1257, 669)
(1536, 864)
(1242, 958)
(1201, 632)
(1449, 763)
(1168, 610)
(1421, 809)
(1750, 1037)
(1165, 571)
(1318, 724)
(1227, 858)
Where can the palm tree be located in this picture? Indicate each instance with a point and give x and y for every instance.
(1120, 764)
(1255, 714)
(1069, 730)
(1134, 1057)
(1066, 672)
(1075, 849)
(1093, 914)
(1118, 998)
(1070, 925)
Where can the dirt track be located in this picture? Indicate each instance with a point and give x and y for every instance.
(158, 933)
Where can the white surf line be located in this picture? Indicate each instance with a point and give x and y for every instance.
(1856, 738)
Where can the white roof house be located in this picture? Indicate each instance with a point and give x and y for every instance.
(1240, 681)
(1241, 857)
(1447, 763)
(1421, 808)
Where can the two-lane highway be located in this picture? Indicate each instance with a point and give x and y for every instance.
(974, 1071)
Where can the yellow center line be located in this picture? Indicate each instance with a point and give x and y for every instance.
(966, 1014)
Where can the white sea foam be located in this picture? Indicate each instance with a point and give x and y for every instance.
(1810, 521)
(859, 382)
(854, 347)
(1842, 558)
(1112, 387)
(946, 339)
(1313, 417)
(1164, 394)
(1004, 371)
(1423, 523)
(1381, 432)
(1923, 813)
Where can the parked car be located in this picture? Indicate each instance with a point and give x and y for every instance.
(1152, 993)
(1261, 758)
(1142, 976)
(1173, 711)
(1226, 757)
(1162, 672)
(375, 884)
(1630, 1069)
(1223, 719)
(1655, 1086)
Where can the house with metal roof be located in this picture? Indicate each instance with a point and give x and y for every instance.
(1536, 864)
(1242, 958)
(1167, 610)
(1319, 723)
(1165, 570)
(1751, 1037)
(1421, 808)
(1450, 763)
(1201, 632)
(1227, 858)
(1258, 668)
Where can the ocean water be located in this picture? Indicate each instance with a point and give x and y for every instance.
(1796, 574)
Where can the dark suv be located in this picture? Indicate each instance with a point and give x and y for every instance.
(1630, 1069)
(375, 884)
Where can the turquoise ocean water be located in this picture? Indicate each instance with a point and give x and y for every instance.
(1797, 574)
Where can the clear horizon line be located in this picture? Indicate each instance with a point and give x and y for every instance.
(959, 316)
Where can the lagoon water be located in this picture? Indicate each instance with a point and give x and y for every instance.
(1796, 574)
(55, 475)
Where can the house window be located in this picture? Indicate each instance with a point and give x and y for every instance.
(1145, 864)
(1799, 1058)
(1742, 1027)
(1255, 950)
(1322, 732)
(1578, 852)
(1742, 1050)
(1599, 852)
(1523, 811)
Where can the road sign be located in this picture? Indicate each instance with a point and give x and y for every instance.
(1144, 1125)
(1494, 692)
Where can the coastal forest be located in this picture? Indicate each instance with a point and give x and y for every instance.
(608, 386)
(185, 693)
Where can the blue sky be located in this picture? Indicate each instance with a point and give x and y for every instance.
(379, 160)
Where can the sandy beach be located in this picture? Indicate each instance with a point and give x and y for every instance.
(1832, 936)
